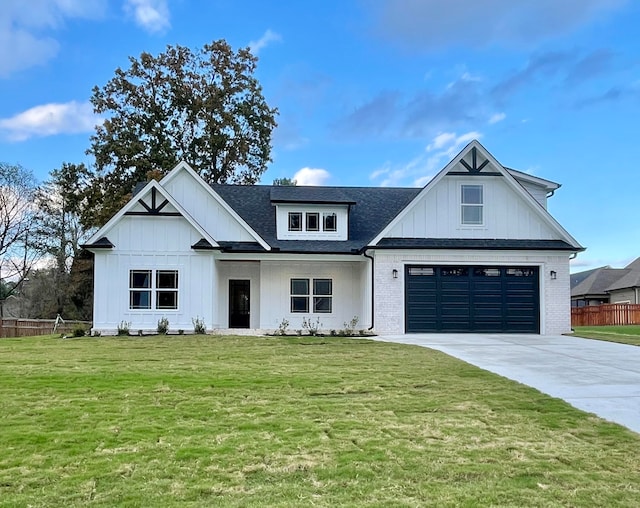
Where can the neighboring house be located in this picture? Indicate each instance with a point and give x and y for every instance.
(627, 288)
(475, 250)
(590, 287)
(606, 285)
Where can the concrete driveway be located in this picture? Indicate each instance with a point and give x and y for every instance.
(595, 376)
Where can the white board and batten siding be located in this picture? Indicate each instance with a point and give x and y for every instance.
(342, 222)
(348, 297)
(153, 243)
(198, 201)
(538, 192)
(506, 214)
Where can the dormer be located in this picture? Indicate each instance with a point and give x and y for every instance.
(311, 213)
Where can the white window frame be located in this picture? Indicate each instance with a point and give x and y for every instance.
(154, 290)
(312, 296)
(464, 205)
(289, 216)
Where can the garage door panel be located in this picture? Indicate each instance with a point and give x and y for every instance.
(472, 299)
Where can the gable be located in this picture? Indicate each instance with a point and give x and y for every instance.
(508, 210)
(152, 205)
(505, 213)
(197, 198)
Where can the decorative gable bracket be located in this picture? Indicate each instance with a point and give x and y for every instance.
(155, 208)
(474, 168)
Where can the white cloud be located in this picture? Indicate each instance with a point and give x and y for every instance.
(422, 168)
(25, 30)
(151, 15)
(497, 117)
(311, 176)
(267, 38)
(50, 119)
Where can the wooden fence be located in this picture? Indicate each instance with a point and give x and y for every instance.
(10, 327)
(604, 315)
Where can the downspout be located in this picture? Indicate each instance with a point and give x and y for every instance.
(364, 253)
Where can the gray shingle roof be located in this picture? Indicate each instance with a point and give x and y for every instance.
(473, 243)
(306, 194)
(630, 279)
(598, 281)
(371, 209)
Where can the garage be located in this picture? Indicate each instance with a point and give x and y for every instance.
(459, 299)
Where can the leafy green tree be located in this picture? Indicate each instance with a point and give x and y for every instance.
(62, 200)
(204, 107)
(284, 182)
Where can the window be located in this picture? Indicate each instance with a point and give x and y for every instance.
(295, 221)
(322, 295)
(454, 271)
(520, 272)
(330, 222)
(143, 294)
(140, 289)
(299, 295)
(167, 289)
(471, 205)
(313, 221)
(421, 270)
(322, 290)
(486, 272)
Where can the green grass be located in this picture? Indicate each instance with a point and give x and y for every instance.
(241, 421)
(624, 334)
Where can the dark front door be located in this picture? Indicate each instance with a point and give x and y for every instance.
(239, 298)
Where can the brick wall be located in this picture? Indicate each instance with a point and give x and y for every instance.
(554, 294)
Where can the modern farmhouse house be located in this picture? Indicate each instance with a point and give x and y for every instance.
(475, 250)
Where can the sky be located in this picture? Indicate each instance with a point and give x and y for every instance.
(369, 92)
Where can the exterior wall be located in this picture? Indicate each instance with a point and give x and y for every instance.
(623, 296)
(237, 270)
(506, 214)
(152, 243)
(211, 215)
(555, 295)
(348, 298)
(538, 192)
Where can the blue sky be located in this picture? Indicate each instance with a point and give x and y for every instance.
(370, 92)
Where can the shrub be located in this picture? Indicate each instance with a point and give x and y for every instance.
(199, 328)
(282, 327)
(350, 326)
(311, 326)
(123, 328)
(163, 326)
(79, 331)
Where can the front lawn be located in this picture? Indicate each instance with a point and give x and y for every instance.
(242, 421)
(625, 334)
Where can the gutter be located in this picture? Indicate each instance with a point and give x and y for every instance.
(364, 253)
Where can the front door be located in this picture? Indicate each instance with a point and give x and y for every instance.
(239, 298)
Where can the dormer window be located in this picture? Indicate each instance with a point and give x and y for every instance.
(330, 222)
(313, 221)
(295, 221)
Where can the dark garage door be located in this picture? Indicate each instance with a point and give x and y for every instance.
(472, 299)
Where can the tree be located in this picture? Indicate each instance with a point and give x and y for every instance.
(17, 191)
(284, 182)
(203, 107)
(61, 202)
